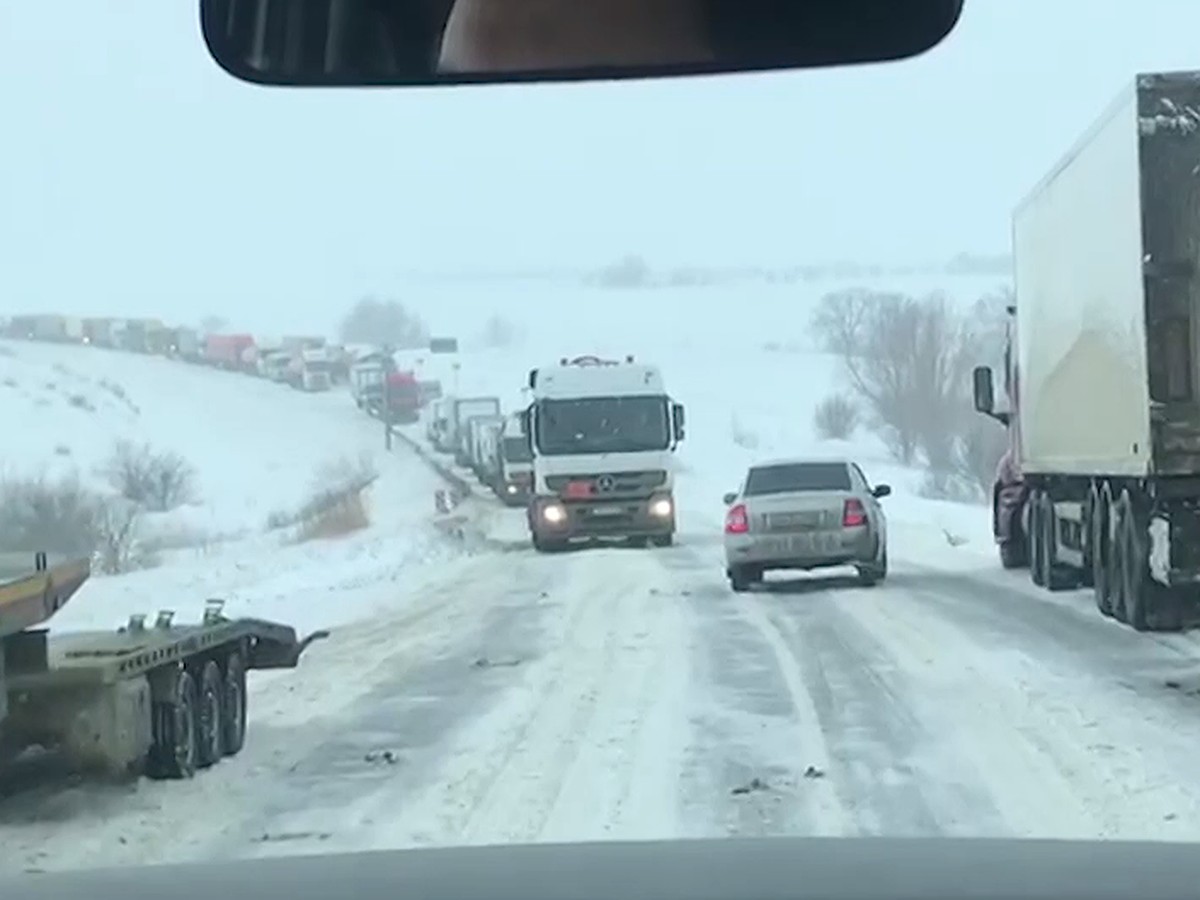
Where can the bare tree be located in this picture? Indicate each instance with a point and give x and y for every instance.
(157, 481)
(909, 361)
(373, 321)
(213, 324)
(498, 333)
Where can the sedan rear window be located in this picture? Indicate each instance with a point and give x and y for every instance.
(783, 479)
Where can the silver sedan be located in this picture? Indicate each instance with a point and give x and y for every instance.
(805, 514)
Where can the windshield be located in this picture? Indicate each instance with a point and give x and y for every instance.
(793, 477)
(516, 450)
(602, 425)
(592, 644)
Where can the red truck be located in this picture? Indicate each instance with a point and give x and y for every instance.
(226, 351)
(403, 394)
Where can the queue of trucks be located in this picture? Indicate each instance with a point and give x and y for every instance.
(1100, 486)
(304, 363)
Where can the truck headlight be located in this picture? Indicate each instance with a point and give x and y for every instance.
(511, 488)
(660, 507)
(554, 513)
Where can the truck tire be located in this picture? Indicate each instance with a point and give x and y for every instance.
(1033, 539)
(1101, 555)
(209, 696)
(233, 710)
(1014, 553)
(1057, 576)
(1149, 605)
(173, 730)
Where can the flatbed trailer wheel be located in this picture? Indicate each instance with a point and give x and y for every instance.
(209, 715)
(233, 710)
(173, 751)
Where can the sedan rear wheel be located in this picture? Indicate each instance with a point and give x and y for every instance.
(873, 573)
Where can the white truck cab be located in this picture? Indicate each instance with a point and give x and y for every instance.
(316, 369)
(603, 435)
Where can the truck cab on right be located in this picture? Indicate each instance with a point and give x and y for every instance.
(603, 435)
(1101, 484)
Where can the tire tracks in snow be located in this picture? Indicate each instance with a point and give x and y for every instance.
(1055, 712)
(584, 747)
(756, 739)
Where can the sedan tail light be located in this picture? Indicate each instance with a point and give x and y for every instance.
(853, 514)
(736, 520)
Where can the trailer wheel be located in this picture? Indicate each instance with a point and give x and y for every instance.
(233, 711)
(173, 752)
(1035, 539)
(1101, 552)
(209, 715)
(1115, 570)
(1149, 605)
(663, 540)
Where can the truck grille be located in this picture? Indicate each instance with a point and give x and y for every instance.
(608, 484)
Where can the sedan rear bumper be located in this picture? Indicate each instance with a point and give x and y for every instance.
(801, 550)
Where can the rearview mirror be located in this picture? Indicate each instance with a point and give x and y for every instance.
(881, 490)
(729, 498)
(983, 391)
(421, 42)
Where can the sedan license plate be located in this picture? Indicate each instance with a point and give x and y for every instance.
(607, 510)
(794, 545)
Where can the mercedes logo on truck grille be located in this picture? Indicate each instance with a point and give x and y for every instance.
(606, 483)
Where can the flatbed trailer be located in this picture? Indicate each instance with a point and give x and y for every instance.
(159, 698)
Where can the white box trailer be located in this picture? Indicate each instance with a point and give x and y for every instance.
(1101, 485)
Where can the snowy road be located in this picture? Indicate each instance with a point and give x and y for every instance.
(620, 693)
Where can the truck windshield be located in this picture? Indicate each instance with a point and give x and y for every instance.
(516, 450)
(788, 478)
(602, 425)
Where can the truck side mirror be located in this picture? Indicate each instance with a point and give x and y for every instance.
(525, 417)
(984, 392)
(678, 421)
(532, 379)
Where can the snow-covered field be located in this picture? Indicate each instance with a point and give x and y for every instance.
(477, 692)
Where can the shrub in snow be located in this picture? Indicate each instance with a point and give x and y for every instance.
(118, 548)
(64, 518)
(836, 418)
(58, 517)
(337, 505)
(157, 481)
(742, 436)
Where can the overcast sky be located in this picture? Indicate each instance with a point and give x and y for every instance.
(134, 170)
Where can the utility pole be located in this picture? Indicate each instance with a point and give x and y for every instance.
(389, 365)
